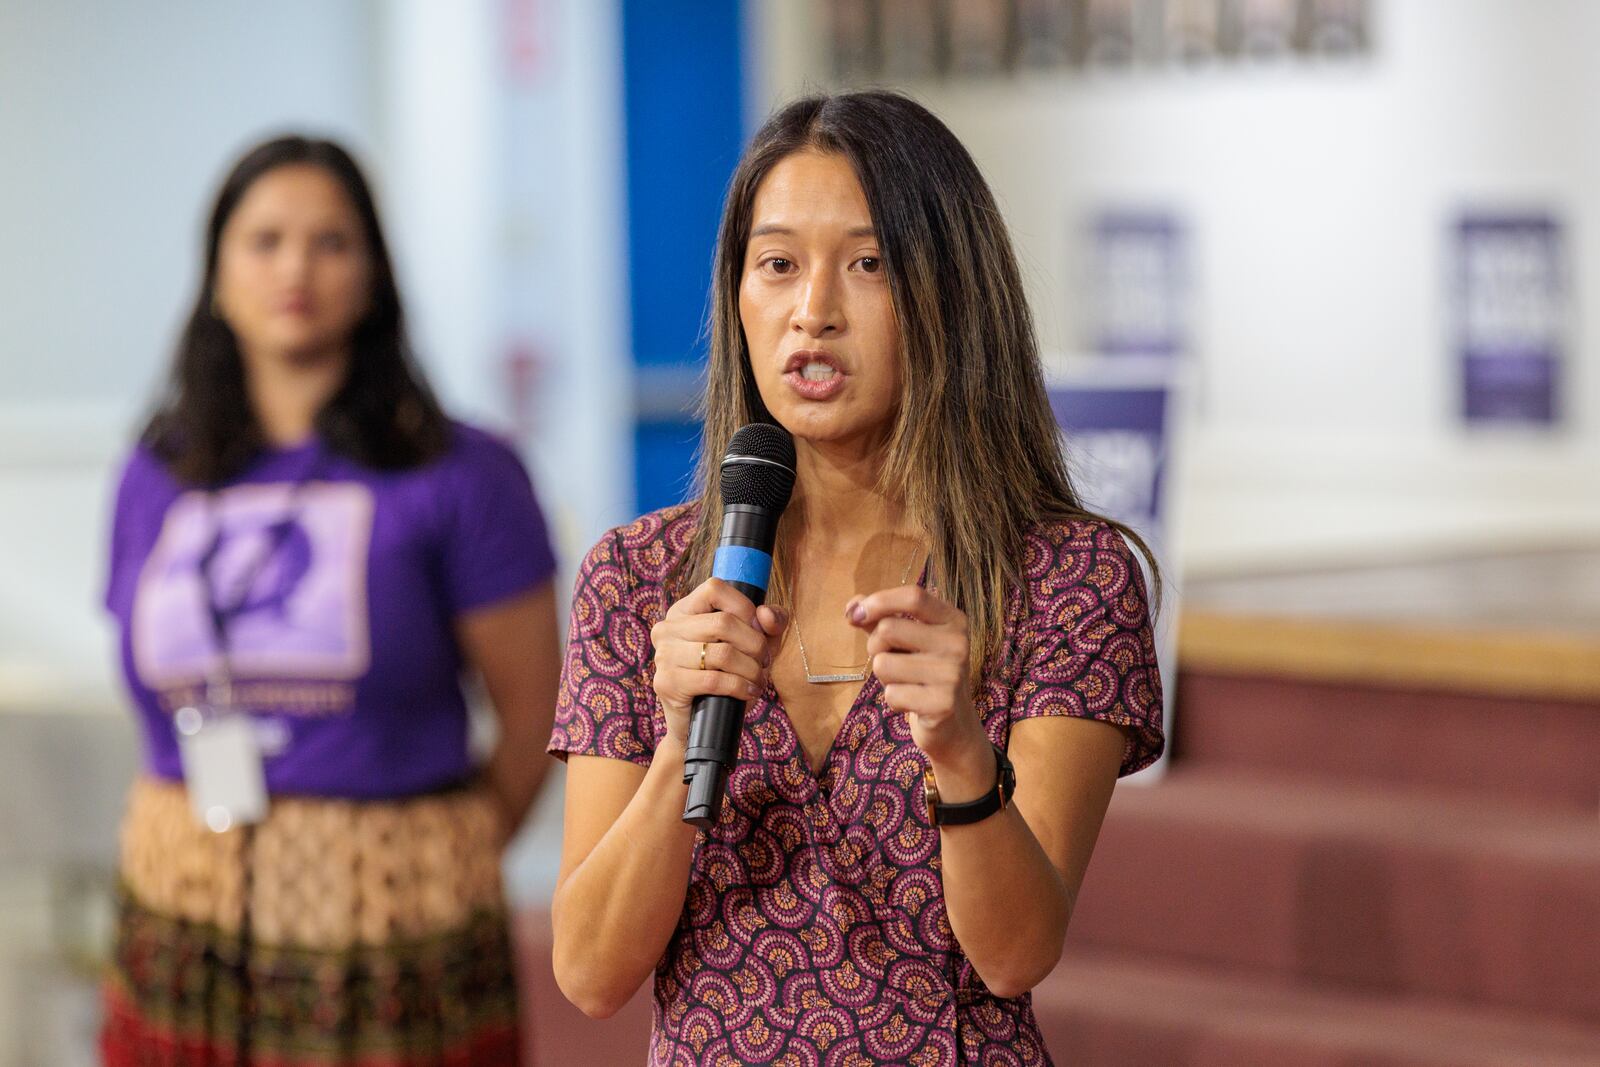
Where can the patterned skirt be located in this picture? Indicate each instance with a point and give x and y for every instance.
(375, 936)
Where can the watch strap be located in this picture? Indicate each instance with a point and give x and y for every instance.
(996, 799)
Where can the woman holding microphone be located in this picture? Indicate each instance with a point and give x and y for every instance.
(955, 666)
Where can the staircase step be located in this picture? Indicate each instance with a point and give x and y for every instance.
(1397, 890)
(1353, 731)
(1115, 1010)
(1445, 653)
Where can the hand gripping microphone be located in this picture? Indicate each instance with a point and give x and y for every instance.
(757, 478)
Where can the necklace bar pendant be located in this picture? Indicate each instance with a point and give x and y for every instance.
(818, 679)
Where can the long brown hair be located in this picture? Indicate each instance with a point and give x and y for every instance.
(974, 456)
(384, 415)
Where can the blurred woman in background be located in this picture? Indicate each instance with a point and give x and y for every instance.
(957, 665)
(306, 556)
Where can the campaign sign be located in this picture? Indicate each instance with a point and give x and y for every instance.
(1116, 441)
(1117, 421)
(1510, 312)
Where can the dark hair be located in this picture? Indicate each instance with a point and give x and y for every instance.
(384, 415)
(974, 455)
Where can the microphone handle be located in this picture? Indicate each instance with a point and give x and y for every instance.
(716, 721)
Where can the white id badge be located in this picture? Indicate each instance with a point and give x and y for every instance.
(222, 768)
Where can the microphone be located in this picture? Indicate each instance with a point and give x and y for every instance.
(757, 478)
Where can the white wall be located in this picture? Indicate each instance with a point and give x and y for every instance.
(442, 105)
(1318, 201)
(117, 121)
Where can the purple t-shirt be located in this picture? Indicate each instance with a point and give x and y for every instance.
(340, 586)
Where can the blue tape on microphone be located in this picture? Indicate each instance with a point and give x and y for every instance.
(739, 563)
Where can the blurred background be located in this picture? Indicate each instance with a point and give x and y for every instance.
(1316, 283)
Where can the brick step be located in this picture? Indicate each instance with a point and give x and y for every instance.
(1108, 1010)
(1517, 747)
(1403, 891)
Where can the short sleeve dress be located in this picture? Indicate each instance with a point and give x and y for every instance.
(814, 932)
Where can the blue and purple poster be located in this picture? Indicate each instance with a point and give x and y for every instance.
(1510, 310)
(1138, 289)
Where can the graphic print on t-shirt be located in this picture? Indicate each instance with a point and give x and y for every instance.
(288, 573)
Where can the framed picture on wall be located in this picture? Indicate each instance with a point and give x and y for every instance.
(909, 36)
(1111, 33)
(1261, 30)
(1192, 31)
(1334, 27)
(852, 27)
(1046, 33)
(980, 36)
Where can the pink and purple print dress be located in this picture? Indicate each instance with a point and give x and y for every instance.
(815, 932)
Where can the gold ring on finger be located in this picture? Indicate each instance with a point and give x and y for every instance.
(703, 646)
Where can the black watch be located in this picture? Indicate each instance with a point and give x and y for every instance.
(972, 811)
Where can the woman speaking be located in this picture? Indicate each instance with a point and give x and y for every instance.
(956, 664)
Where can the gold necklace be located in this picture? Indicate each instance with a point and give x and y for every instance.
(858, 675)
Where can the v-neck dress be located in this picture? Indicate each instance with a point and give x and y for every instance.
(814, 932)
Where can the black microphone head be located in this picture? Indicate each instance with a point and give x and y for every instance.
(759, 467)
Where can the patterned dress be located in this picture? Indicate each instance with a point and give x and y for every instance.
(814, 932)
